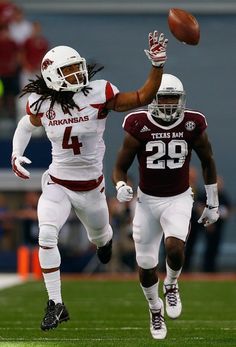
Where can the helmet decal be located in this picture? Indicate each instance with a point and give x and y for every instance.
(46, 63)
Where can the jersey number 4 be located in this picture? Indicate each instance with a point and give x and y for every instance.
(71, 141)
(176, 150)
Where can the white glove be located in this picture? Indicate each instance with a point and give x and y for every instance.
(209, 215)
(157, 49)
(17, 167)
(124, 192)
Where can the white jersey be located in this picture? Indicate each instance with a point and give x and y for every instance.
(77, 141)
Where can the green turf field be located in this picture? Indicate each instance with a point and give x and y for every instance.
(114, 313)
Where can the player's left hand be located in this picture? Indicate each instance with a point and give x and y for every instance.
(209, 216)
(157, 49)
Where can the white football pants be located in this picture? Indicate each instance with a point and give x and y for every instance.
(155, 216)
(55, 204)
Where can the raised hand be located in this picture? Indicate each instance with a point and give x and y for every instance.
(157, 49)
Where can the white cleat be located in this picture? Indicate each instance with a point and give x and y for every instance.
(173, 301)
(157, 323)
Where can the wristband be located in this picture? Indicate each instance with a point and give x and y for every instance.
(212, 195)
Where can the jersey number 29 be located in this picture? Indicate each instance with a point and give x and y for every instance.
(176, 150)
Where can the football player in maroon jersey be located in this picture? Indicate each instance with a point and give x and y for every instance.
(163, 137)
(73, 111)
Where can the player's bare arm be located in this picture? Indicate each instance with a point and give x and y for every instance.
(125, 159)
(144, 95)
(202, 147)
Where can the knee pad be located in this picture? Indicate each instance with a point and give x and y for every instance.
(49, 258)
(48, 236)
(100, 236)
(146, 256)
(146, 261)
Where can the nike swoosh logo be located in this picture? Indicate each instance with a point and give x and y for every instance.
(50, 183)
(59, 316)
(80, 109)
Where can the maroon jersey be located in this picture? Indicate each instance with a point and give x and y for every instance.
(165, 153)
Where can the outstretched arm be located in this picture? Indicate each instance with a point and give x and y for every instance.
(124, 160)
(204, 151)
(144, 95)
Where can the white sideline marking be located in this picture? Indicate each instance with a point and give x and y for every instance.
(9, 280)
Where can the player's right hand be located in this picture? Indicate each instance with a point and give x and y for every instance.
(124, 192)
(17, 167)
(157, 49)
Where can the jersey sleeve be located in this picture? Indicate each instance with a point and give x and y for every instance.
(31, 110)
(132, 125)
(110, 91)
(201, 123)
(104, 91)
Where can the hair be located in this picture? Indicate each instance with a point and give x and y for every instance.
(65, 99)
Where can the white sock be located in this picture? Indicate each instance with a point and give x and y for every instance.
(52, 282)
(151, 294)
(171, 275)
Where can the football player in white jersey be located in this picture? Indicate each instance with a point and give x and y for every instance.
(162, 137)
(73, 111)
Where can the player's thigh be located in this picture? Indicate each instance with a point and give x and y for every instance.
(54, 206)
(147, 235)
(175, 220)
(92, 210)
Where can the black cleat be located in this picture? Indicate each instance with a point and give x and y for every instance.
(104, 253)
(55, 313)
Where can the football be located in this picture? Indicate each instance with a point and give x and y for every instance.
(184, 26)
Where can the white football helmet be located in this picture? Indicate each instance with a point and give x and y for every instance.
(57, 58)
(170, 86)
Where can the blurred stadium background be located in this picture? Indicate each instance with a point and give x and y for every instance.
(114, 34)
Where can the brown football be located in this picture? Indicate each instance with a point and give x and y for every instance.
(184, 26)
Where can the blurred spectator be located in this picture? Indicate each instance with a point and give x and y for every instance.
(20, 28)
(27, 214)
(6, 224)
(213, 234)
(121, 218)
(7, 10)
(9, 72)
(33, 51)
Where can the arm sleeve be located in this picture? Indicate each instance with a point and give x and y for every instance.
(22, 136)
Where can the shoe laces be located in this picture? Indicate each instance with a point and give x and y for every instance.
(157, 320)
(171, 294)
(50, 312)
